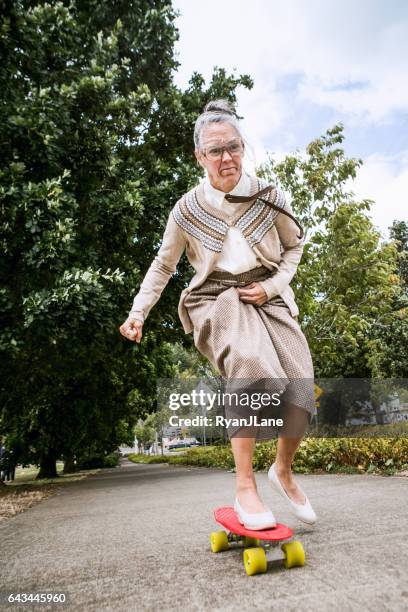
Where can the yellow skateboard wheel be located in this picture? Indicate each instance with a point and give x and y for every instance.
(294, 554)
(255, 561)
(219, 541)
(250, 542)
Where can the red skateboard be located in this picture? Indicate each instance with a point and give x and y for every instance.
(260, 546)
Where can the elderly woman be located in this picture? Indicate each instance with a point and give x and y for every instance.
(244, 244)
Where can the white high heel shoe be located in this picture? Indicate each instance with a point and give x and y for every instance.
(257, 520)
(303, 512)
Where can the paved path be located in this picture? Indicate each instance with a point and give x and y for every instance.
(137, 538)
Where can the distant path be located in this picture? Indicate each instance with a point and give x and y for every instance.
(137, 538)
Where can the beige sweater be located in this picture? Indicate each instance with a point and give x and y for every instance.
(197, 227)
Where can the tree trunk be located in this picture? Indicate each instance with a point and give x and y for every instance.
(69, 465)
(48, 466)
(376, 402)
(379, 415)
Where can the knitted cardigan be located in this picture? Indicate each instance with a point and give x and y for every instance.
(197, 227)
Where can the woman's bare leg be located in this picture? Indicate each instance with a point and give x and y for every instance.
(283, 464)
(246, 491)
(288, 443)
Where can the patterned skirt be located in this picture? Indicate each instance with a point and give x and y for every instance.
(256, 349)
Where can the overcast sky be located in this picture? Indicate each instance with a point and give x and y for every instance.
(314, 63)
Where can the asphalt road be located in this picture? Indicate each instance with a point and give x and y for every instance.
(137, 538)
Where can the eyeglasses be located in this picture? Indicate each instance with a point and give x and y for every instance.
(215, 152)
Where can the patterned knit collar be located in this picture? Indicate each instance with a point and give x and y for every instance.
(210, 225)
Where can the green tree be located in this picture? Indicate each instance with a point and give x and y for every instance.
(356, 292)
(95, 149)
(392, 334)
(145, 432)
(347, 286)
(399, 233)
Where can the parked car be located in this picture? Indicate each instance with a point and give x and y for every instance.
(179, 445)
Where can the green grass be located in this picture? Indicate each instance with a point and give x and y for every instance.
(27, 476)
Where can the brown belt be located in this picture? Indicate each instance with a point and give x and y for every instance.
(242, 279)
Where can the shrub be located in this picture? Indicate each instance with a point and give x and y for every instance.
(98, 461)
(380, 455)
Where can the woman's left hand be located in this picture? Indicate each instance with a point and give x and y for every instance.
(252, 294)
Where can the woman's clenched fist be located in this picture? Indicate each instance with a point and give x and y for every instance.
(132, 329)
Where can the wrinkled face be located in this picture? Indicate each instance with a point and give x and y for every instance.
(224, 167)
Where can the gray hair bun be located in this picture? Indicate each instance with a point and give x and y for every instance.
(218, 106)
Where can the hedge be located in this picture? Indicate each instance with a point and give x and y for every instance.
(368, 455)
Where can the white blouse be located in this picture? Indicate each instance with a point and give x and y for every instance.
(236, 255)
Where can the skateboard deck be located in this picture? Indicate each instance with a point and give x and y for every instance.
(261, 546)
(227, 517)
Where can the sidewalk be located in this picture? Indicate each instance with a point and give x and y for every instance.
(137, 538)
